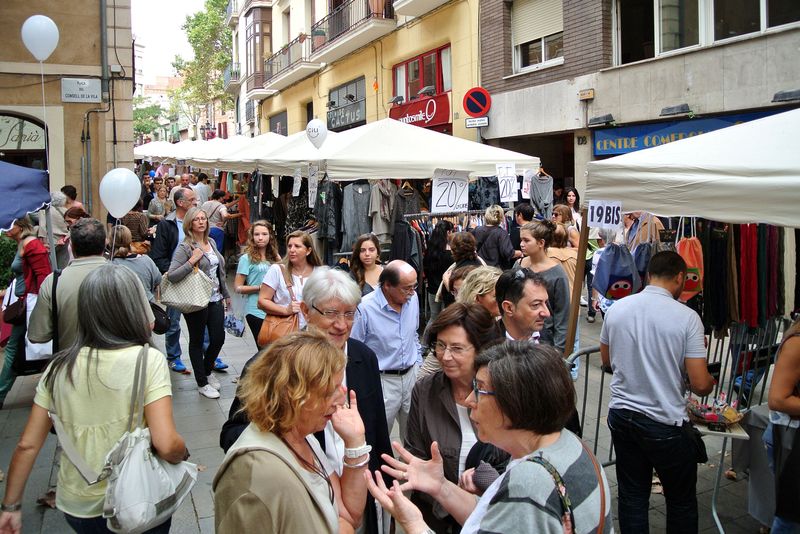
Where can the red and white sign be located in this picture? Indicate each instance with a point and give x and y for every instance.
(425, 112)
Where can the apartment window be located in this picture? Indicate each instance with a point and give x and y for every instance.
(432, 68)
(648, 28)
(347, 105)
(537, 33)
(258, 39)
(278, 123)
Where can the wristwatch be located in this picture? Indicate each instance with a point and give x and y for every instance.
(10, 507)
(358, 451)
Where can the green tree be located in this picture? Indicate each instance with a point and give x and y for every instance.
(211, 41)
(145, 116)
(182, 103)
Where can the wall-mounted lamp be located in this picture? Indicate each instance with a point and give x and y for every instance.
(680, 109)
(428, 90)
(396, 100)
(350, 97)
(330, 104)
(601, 120)
(787, 96)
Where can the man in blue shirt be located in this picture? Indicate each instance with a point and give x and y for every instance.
(387, 323)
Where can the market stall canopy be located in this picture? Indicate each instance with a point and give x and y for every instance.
(244, 159)
(747, 173)
(392, 149)
(151, 150)
(296, 152)
(23, 190)
(208, 154)
(184, 150)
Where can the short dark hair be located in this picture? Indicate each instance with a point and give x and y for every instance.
(218, 194)
(70, 191)
(666, 264)
(511, 285)
(525, 211)
(87, 237)
(390, 276)
(202, 177)
(531, 385)
(462, 246)
(479, 324)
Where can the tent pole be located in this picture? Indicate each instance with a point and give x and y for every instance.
(50, 242)
(577, 284)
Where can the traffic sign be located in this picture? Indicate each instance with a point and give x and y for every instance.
(476, 122)
(477, 102)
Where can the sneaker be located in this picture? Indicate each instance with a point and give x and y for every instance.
(583, 302)
(219, 365)
(213, 382)
(590, 318)
(177, 365)
(208, 392)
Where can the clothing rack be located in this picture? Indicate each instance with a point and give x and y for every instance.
(443, 214)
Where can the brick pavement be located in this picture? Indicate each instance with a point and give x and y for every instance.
(199, 419)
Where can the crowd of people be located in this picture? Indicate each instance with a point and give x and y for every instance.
(490, 436)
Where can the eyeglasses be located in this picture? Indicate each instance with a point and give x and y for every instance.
(455, 350)
(479, 392)
(332, 315)
(408, 289)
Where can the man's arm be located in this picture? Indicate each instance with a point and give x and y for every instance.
(40, 325)
(700, 381)
(605, 356)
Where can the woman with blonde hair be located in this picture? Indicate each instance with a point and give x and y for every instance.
(260, 252)
(492, 242)
(301, 259)
(478, 287)
(275, 477)
(197, 250)
(563, 215)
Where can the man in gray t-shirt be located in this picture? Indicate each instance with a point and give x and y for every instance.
(651, 341)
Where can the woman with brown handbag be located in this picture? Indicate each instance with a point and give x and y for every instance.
(282, 289)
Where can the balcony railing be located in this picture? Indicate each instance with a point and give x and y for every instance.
(250, 112)
(347, 17)
(231, 75)
(232, 13)
(293, 53)
(255, 81)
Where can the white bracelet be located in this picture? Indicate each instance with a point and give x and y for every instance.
(359, 464)
(357, 451)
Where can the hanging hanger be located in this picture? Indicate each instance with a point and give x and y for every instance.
(407, 185)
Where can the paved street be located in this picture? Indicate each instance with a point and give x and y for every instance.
(199, 419)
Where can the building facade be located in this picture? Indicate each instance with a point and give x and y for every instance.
(352, 62)
(576, 80)
(87, 94)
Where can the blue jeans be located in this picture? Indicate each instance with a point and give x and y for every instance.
(779, 525)
(97, 525)
(218, 235)
(642, 445)
(8, 376)
(172, 338)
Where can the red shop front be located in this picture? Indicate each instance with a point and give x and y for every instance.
(428, 112)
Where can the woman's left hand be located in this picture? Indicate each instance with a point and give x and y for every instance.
(394, 502)
(227, 303)
(11, 522)
(348, 424)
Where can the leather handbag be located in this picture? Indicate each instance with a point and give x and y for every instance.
(143, 490)
(190, 294)
(276, 326)
(14, 311)
(161, 322)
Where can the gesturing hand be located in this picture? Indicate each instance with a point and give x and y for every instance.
(422, 475)
(393, 501)
(348, 424)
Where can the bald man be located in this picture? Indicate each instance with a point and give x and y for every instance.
(388, 323)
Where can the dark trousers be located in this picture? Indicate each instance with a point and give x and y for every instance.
(642, 445)
(213, 318)
(254, 324)
(589, 278)
(97, 525)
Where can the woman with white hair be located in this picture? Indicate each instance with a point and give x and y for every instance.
(330, 304)
(492, 241)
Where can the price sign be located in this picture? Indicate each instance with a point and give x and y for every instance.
(526, 186)
(313, 182)
(298, 181)
(507, 180)
(450, 191)
(605, 214)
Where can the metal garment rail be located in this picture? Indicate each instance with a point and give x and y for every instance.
(430, 215)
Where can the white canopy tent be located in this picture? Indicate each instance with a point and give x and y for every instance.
(244, 159)
(151, 150)
(208, 154)
(296, 153)
(747, 173)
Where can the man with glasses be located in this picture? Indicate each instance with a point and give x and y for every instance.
(387, 323)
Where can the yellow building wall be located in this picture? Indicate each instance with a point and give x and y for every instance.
(454, 23)
(76, 56)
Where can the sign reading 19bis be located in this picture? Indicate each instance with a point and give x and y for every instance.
(449, 191)
(605, 214)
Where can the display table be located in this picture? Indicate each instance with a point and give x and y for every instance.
(751, 456)
(736, 432)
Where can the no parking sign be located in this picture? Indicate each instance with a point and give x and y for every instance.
(477, 102)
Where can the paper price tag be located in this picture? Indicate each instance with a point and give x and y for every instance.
(298, 180)
(313, 182)
(450, 191)
(605, 214)
(507, 181)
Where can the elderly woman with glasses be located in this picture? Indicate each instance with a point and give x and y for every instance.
(439, 411)
(330, 303)
(521, 397)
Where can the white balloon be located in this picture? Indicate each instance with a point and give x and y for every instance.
(40, 35)
(120, 189)
(317, 131)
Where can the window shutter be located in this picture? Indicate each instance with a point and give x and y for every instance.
(534, 19)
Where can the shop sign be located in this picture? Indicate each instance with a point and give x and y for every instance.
(344, 116)
(424, 112)
(80, 90)
(19, 134)
(612, 141)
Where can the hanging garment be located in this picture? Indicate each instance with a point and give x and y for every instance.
(748, 274)
(715, 283)
(297, 210)
(403, 242)
(541, 193)
(763, 273)
(355, 214)
(381, 203)
(328, 209)
(772, 272)
(732, 277)
(406, 200)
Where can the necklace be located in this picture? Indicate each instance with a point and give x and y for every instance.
(316, 467)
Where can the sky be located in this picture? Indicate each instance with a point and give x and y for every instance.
(157, 25)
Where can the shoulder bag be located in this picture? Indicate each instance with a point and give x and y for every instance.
(161, 322)
(143, 490)
(14, 312)
(276, 326)
(190, 294)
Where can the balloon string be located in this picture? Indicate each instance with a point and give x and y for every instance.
(44, 117)
(114, 237)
